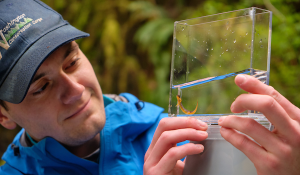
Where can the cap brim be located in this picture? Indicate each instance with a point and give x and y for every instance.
(16, 84)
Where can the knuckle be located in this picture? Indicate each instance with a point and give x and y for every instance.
(249, 125)
(242, 142)
(286, 152)
(269, 102)
(172, 152)
(272, 163)
(163, 123)
(164, 136)
(274, 93)
(190, 121)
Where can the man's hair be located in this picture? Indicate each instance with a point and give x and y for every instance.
(3, 104)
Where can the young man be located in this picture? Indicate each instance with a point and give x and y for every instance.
(48, 87)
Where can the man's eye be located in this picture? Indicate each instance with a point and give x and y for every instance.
(41, 89)
(72, 63)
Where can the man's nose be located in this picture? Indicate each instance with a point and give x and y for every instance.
(72, 90)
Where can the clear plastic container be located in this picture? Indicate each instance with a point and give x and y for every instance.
(208, 52)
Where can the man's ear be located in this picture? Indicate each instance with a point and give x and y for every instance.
(5, 121)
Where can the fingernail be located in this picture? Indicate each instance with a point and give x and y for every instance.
(223, 129)
(221, 119)
(231, 107)
(200, 146)
(202, 124)
(242, 79)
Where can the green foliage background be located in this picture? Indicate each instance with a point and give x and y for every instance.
(131, 42)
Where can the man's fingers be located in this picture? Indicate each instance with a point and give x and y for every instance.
(169, 138)
(252, 150)
(170, 159)
(254, 86)
(253, 129)
(174, 123)
(269, 107)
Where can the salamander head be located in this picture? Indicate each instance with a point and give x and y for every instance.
(178, 98)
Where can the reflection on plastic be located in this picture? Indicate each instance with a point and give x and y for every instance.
(218, 158)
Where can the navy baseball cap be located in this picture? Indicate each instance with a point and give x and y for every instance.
(29, 32)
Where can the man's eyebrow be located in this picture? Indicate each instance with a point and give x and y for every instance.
(72, 47)
(36, 77)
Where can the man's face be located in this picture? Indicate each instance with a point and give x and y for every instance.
(64, 100)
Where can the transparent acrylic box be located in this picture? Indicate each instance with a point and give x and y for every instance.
(208, 52)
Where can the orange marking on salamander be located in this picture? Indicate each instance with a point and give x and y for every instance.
(182, 108)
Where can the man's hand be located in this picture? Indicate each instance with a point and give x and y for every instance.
(272, 153)
(163, 156)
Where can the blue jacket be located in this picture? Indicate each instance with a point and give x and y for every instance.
(127, 134)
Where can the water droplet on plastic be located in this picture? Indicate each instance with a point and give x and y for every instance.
(246, 33)
(222, 53)
(246, 44)
(212, 48)
(226, 50)
(234, 41)
(207, 49)
(220, 66)
(260, 41)
(261, 46)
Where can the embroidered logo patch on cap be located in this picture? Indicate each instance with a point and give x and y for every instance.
(29, 31)
(14, 29)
